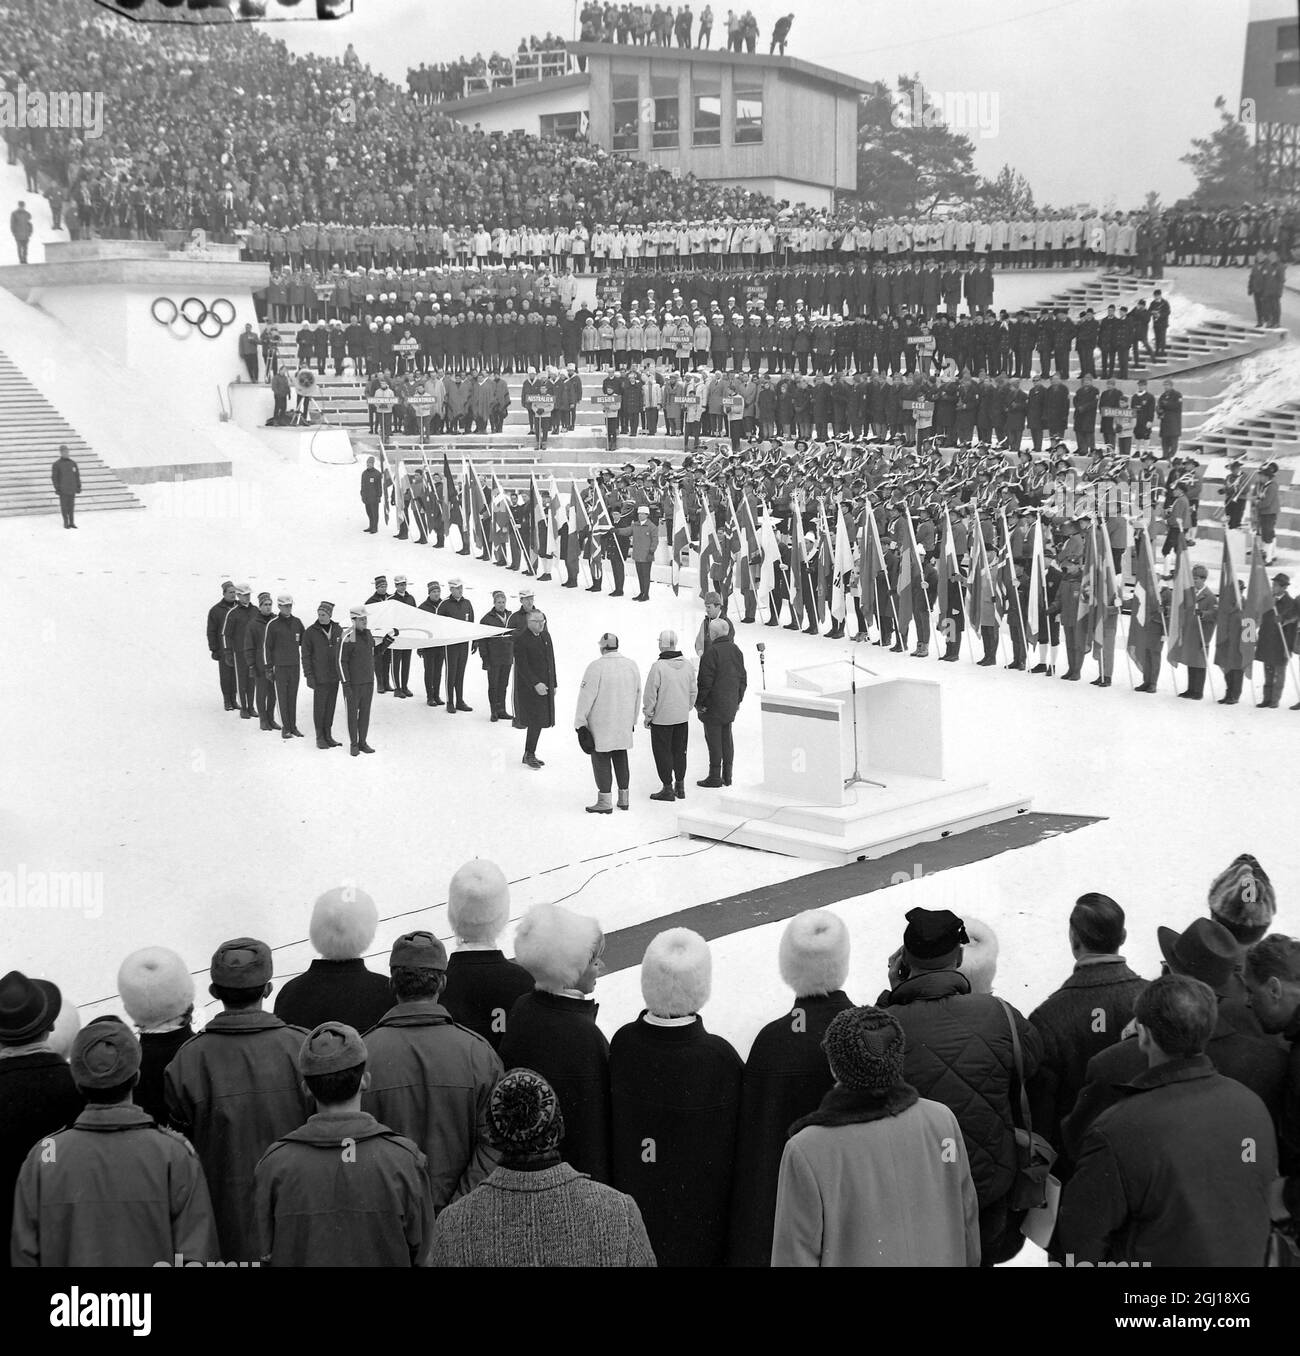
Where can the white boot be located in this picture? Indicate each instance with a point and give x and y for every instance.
(625, 800)
(604, 804)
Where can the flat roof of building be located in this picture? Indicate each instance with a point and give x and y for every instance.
(490, 98)
(714, 56)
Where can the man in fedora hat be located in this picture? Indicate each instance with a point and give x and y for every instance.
(1205, 951)
(37, 1094)
(113, 1189)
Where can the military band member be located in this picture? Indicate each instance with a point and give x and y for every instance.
(401, 659)
(382, 657)
(255, 658)
(320, 670)
(458, 607)
(357, 652)
(283, 643)
(432, 655)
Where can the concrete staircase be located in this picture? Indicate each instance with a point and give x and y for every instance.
(31, 430)
(1198, 346)
(1264, 436)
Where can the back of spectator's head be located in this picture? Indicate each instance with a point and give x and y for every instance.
(933, 939)
(1272, 976)
(343, 922)
(478, 901)
(865, 1047)
(29, 1008)
(155, 986)
(718, 628)
(1097, 924)
(1178, 1013)
(241, 972)
(676, 973)
(556, 946)
(332, 1063)
(1241, 897)
(524, 1118)
(417, 967)
(814, 953)
(979, 957)
(105, 1060)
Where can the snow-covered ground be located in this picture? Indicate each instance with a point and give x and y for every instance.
(1268, 379)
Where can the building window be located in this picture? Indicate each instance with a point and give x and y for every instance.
(626, 120)
(1288, 37)
(566, 126)
(665, 134)
(1287, 74)
(706, 125)
(749, 117)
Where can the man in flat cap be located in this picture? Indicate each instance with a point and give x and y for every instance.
(234, 1088)
(429, 1078)
(113, 1189)
(320, 669)
(960, 1052)
(376, 1213)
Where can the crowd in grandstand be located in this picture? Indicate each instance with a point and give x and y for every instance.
(533, 59)
(306, 141)
(486, 1119)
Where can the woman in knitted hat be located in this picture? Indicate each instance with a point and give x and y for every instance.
(1242, 899)
(786, 1075)
(877, 1176)
(675, 1097)
(535, 1209)
(553, 1029)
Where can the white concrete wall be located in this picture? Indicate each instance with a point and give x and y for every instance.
(526, 114)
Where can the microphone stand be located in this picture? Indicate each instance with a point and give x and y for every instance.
(762, 663)
(856, 778)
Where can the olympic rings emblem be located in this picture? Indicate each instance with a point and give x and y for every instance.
(193, 314)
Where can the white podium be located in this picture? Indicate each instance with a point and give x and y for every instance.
(841, 790)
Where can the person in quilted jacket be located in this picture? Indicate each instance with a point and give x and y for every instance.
(960, 1053)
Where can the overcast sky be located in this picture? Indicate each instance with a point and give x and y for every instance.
(1095, 99)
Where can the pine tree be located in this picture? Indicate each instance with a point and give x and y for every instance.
(1008, 194)
(1223, 163)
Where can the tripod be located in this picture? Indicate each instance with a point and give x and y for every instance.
(856, 778)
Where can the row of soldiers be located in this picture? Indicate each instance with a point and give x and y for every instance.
(966, 535)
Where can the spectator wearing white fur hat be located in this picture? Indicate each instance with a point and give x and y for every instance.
(979, 956)
(786, 1074)
(338, 986)
(157, 991)
(482, 985)
(553, 1029)
(675, 1097)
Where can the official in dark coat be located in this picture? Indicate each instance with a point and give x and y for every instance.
(234, 1088)
(337, 986)
(321, 642)
(65, 475)
(372, 493)
(216, 619)
(675, 1100)
(534, 684)
(37, 1092)
(497, 655)
(720, 690)
(482, 985)
(786, 1075)
(1084, 1016)
(553, 1029)
(959, 1052)
(1162, 1178)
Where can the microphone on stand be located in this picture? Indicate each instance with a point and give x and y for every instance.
(762, 661)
